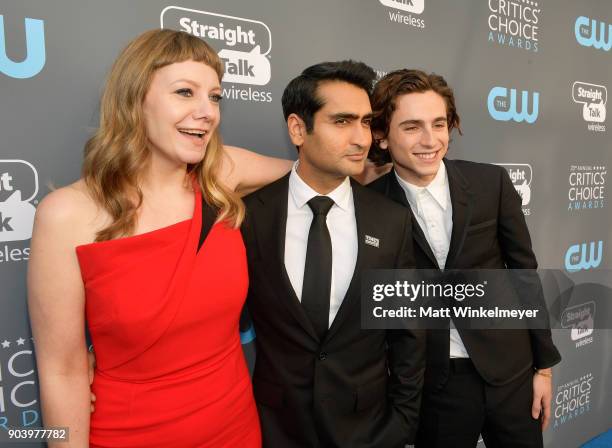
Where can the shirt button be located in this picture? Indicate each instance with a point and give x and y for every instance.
(322, 356)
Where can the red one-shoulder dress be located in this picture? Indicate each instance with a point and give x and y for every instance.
(164, 319)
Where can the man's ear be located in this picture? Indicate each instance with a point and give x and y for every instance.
(297, 129)
(380, 140)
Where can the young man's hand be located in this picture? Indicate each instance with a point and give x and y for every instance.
(542, 396)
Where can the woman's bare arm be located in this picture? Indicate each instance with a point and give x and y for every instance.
(246, 171)
(371, 172)
(56, 306)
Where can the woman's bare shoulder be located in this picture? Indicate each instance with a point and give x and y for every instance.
(72, 212)
(66, 204)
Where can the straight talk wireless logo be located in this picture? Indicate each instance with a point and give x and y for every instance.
(243, 44)
(521, 175)
(581, 320)
(405, 12)
(593, 99)
(18, 188)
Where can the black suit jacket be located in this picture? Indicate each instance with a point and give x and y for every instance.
(355, 388)
(489, 232)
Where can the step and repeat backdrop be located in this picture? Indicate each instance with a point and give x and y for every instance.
(531, 80)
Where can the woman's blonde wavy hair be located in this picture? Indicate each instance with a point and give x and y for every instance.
(118, 151)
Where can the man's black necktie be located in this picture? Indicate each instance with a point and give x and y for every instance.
(316, 288)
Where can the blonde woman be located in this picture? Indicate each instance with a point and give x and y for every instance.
(124, 249)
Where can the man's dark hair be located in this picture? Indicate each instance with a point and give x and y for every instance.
(301, 97)
(398, 83)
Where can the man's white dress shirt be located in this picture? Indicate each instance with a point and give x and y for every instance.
(342, 230)
(433, 210)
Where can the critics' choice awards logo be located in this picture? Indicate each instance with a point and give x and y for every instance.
(593, 99)
(18, 390)
(521, 175)
(584, 256)
(593, 33)
(581, 320)
(587, 187)
(18, 188)
(405, 12)
(35, 51)
(244, 45)
(572, 399)
(504, 105)
(514, 24)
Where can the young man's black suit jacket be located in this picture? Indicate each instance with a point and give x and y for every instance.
(355, 388)
(489, 232)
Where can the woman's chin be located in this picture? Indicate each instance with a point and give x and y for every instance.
(192, 157)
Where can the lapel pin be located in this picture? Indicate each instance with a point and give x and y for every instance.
(371, 241)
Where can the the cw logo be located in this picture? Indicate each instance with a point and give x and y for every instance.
(576, 257)
(502, 108)
(585, 30)
(35, 45)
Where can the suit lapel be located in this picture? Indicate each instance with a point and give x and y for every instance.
(271, 228)
(462, 202)
(396, 193)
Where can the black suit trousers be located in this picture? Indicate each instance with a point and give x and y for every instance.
(467, 407)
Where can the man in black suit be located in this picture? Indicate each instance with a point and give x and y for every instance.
(319, 379)
(465, 215)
